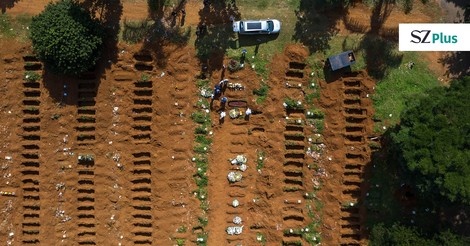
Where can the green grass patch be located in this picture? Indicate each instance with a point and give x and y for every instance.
(261, 48)
(31, 76)
(338, 44)
(290, 103)
(182, 229)
(16, 27)
(201, 148)
(201, 129)
(201, 181)
(261, 92)
(401, 85)
(203, 221)
(260, 158)
(202, 239)
(319, 125)
(203, 140)
(202, 83)
(396, 84)
(314, 114)
(200, 117)
(180, 241)
(261, 238)
(134, 31)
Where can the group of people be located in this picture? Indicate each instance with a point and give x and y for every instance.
(218, 91)
(219, 88)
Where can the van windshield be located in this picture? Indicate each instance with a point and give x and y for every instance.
(270, 26)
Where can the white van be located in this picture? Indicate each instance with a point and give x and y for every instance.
(257, 26)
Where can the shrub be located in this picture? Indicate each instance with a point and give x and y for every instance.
(234, 65)
(200, 117)
(261, 92)
(31, 76)
(66, 38)
(145, 77)
(292, 104)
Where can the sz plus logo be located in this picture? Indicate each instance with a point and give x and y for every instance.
(434, 37)
(426, 37)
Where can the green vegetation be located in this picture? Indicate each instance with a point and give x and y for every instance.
(14, 27)
(260, 158)
(203, 141)
(433, 139)
(180, 241)
(401, 85)
(261, 238)
(201, 129)
(396, 85)
(203, 221)
(403, 235)
(290, 103)
(56, 116)
(423, 169)
(145, 77)
(135, 31)
(261, 92)
(234, 65)
(202, 83)
(201, 148)
(31, 76)
(182, 229)
(261, 49)
(66, 38)
(200, 117)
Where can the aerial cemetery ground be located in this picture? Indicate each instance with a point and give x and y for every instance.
(134, 151)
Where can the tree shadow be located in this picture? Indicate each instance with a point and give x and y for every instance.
(393, 196)
(379, 55)
(7, 4)
(378, 43)
(164, 31)
(315, 26)
(215, 38)
(108, 13)
(457, 63)
(252, 40)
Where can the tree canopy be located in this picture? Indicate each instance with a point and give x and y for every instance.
(434, 142)
(400, 235)
(66, 38)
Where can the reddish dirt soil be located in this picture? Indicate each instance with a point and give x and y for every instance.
(266, 207)
(139, 188)
(348, 125)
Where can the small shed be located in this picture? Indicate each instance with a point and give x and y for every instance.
(341, 60)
